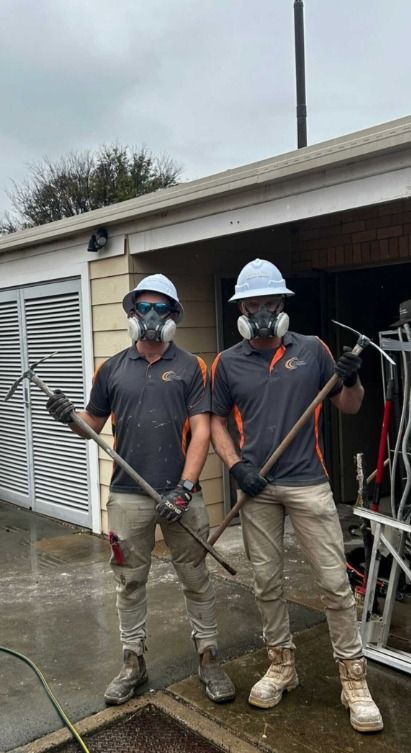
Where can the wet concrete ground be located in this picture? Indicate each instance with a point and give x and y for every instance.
(311, 718)
(57, 607)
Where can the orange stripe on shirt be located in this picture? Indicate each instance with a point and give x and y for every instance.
(113, 430)
(320, 456)
(239, 424)
(185, 435)
(203, 368)
(277, 356)
(214, 367)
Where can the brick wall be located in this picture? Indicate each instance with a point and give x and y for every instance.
(362, 237)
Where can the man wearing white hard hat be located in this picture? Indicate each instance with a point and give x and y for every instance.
(267, 381)
(158, 397)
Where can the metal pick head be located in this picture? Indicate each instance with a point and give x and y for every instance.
(27, 374)
(364, 341)
(45, 358)
(14, 386)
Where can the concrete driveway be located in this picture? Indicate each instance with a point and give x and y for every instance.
(57, 606)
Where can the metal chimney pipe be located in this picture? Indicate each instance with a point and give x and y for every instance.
(300, 73)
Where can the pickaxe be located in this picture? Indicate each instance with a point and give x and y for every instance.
(30, 374)
(362, 343)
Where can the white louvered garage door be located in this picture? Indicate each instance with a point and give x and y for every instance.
(56, 459)
(14, 479)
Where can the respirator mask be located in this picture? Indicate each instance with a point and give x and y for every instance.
(152, 322)
(263, 320)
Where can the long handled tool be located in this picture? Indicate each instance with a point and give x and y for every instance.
(365, 527)
(362, 343)
(30, 374)
(382, 448)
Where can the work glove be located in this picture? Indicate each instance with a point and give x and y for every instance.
(348, 366)
(173, 505)
(60, 407)
(248, 478)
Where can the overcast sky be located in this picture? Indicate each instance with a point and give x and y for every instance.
(210, 83)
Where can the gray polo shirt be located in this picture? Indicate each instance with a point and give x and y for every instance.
(267, 396)
(150, 407)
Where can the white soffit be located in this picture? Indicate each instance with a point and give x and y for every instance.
(153, 210)
(328, 191)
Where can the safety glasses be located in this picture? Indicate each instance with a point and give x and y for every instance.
(272, 305)
(143, 307)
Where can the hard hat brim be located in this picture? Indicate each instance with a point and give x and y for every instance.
(261, 292)
(129, 299)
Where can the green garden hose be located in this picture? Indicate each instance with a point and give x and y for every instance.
(53, 699)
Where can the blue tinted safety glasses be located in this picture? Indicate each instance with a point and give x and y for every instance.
(143, 307)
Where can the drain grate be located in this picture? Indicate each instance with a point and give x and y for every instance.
(147, 731)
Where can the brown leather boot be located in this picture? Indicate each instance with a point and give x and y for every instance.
(132, 674)
(280, 676)
(218, 686)
(364, 713)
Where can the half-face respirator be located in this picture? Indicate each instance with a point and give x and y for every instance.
(152, 323)
(263, 324)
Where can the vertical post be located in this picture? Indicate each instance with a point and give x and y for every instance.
(366, 625)
(300, 73)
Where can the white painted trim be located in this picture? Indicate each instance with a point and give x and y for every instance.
(300, 202)
(45, 263)
(92, 448)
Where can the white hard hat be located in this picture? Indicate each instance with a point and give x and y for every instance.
(259, 277)
(157, 283)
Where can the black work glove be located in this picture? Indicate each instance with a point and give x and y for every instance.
(248, 478)
(348, 366)
(60, 407)
(174, 504)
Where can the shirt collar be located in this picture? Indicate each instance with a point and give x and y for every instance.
(248, 349)
(167, 356)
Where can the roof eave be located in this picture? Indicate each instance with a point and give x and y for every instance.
(358, 146)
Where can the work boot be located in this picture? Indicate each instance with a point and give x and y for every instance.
(218, 686)
(364, 713)
(132, 674)
(280, 676)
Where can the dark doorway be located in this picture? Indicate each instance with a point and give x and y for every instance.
(367, 300)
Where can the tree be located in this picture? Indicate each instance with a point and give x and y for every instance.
(82, 181)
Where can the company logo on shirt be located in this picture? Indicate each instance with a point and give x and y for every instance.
(294, 363)
(170, 376)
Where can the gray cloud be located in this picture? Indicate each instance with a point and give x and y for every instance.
(211, 83)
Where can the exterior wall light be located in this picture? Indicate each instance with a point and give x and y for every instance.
(98, 240)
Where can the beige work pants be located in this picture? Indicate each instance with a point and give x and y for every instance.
(132, 518)
(315, 520)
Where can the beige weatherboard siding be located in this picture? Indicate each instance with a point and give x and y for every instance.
(110, 280)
